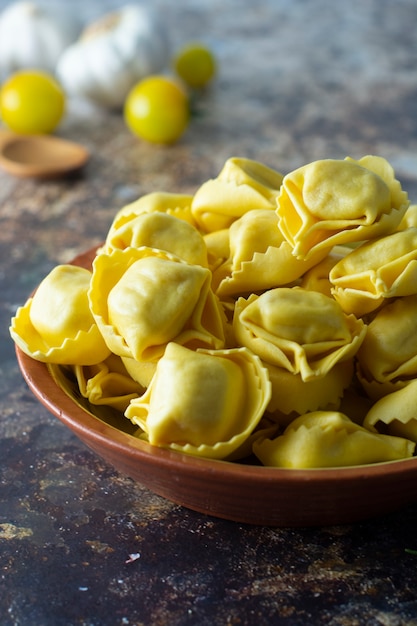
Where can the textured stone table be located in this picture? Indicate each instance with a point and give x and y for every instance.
(81, 544)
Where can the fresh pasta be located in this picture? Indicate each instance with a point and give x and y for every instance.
(56, 325)
(266, 317)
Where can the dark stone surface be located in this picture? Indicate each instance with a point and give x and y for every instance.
(81, 544)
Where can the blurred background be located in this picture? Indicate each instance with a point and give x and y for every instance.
(297, 80)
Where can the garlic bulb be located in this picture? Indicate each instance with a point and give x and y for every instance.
(114, 53)
(33, 37)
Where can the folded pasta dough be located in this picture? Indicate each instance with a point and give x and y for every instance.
(142, 298)
(334, 202)
(265, 428)
(291, 395)
(107, 383)
(354, 403)
(382, 168)
(218, 250)
(384, 268)
(56, 324)
(395, 413)
(141, 371)
(410, 218)
(317, 278)
(162, 231)
(329, 439)
(375, 389)
(176, 204)
(242, 185)
(205, 402)
(260, 257)
(388, 353)
(304, 332)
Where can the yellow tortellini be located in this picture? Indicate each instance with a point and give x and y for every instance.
(410, 218)
(56, 324)
(387, 359)
(142, 299)
(383, 169)
(317, 278)
(203, 402)
(141, 371)
(304, 332)
(260, 257)
(395, 413)
(242, 185)
(292, 395)
(176, 204)
(263, 317)
(218, 248)
(107, 383)
(162, 231)
(376, 270)
(333, 202)
(329, 439)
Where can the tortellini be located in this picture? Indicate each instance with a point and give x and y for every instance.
(381, 167)
(218, 249)
(176, 204)
(142, 299)
(306, 342)
(107, 383)
(162, 231)
(317, 278)
(410, 218)
(304, 332)
(56, 324)
(292, 395)
(376, 270)
(203, 402)
(242, 185)
(395, 413)
(265, 317)
(387, 359)
(260, 258)
(329, 439)
(332, 202)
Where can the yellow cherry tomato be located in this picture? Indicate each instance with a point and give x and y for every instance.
(31, 102)
(157, 109)
(195, 64)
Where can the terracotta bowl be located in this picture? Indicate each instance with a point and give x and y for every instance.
(234, 491)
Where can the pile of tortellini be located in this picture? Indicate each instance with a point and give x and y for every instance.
(265, 317)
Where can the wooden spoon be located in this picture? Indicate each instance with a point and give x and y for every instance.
(40, 156)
